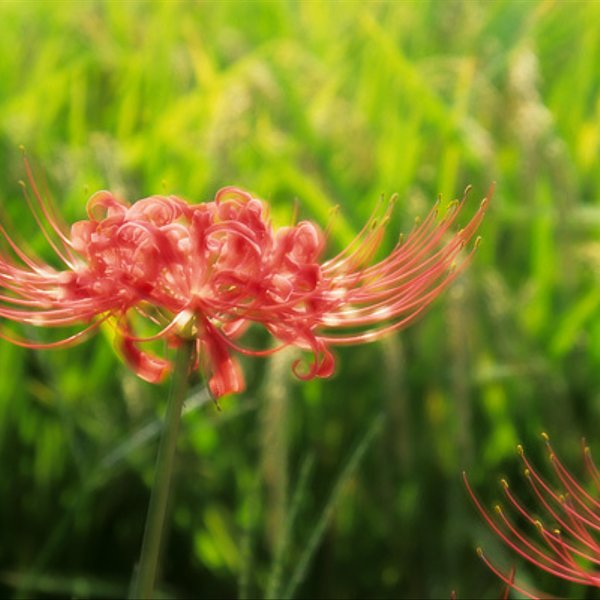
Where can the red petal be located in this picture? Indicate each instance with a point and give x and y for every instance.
(149, 367)
(226, 374)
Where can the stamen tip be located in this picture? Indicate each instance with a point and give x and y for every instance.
(504, 483)
(545, 436)
(539, 525)
(479, 551)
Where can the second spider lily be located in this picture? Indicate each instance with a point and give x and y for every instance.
(563, 542)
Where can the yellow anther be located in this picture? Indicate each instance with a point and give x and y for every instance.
(539, 526)
(504, 483)
(479, 552)
(477, 242)
(520, 450)
(498, 509)
(545, 437)
(527, 473)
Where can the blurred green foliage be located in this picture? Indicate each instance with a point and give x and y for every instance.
(348, 487)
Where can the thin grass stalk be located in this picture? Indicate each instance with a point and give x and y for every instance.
(397, 396)
(283, 544)
(327, 512)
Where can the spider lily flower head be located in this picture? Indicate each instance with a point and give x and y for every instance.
(205, 272)
(564, 541)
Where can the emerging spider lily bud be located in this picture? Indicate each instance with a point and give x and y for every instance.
(206, 271)
(565, 542)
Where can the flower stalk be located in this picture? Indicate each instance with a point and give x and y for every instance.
(144, 582)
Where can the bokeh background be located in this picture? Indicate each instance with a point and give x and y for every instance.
(341, 488)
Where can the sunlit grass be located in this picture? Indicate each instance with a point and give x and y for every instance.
(323, 103)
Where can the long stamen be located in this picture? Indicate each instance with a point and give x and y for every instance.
(573, 552)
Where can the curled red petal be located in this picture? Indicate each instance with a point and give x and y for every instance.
(145, 365)
(322, 364)
(103, 204)
(225, 374)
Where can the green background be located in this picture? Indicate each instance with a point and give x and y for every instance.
(341, 488)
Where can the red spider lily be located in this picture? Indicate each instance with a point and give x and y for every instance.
(206, 271)
(568, 546)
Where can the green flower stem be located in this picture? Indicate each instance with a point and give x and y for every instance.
(144, 582)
